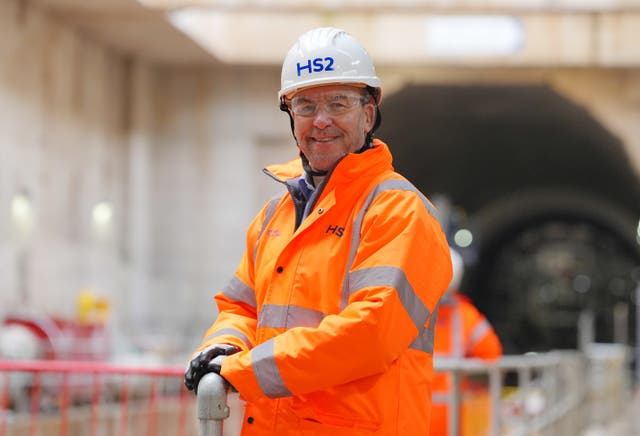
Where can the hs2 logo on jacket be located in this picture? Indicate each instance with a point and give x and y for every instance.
(335, 230)
(331, 230)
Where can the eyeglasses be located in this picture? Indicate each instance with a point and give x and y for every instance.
(334, 105)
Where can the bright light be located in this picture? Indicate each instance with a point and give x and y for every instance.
(102, 214)
(463, 238)
(21, 208)
(638, 233)
(473, 35)
(23, 215)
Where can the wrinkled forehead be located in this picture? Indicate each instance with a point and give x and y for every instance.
(328, 91)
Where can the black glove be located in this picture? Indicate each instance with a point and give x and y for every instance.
(208, 360)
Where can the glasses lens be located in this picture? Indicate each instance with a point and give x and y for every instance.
(303, 107)
(332, 105)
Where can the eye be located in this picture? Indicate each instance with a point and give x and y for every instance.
(337, 107)
(305, 108)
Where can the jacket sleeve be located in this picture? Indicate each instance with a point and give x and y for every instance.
(483, 342)
(237, 314)
(400, 269)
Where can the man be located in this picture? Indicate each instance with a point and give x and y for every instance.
(327, 326)
(461, 332)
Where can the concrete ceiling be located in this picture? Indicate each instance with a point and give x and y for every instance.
(128, 27)
(385, 6)
(259, 32)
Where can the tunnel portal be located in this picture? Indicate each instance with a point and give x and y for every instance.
(548, 193)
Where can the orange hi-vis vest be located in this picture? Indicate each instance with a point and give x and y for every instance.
(335, 317)
(461, 332)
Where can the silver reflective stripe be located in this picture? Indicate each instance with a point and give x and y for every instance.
(439, 397)
(442, 397)
(424, 341)
(276, 316)
(238, 291)
(231, 332)
(478, 333)
(266, 370)
(387, 185)
(395, 278)
(271, 209)
(405, 185)
(457, 339)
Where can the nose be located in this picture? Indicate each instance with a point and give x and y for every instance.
(321, 119)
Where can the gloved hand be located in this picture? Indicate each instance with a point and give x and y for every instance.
(208, 360)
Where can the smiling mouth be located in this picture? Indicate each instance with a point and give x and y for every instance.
(329, 139)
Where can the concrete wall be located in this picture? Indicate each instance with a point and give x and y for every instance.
(611, 95)
(215, 131)
(63, 146)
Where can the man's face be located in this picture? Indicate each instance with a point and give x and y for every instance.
(330, 122)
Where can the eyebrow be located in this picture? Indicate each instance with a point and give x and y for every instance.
(301, 99)
(330, 97)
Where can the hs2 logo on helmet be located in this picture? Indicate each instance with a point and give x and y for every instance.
(316, 65)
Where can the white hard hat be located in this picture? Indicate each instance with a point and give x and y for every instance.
(458, 272)
(327, 56)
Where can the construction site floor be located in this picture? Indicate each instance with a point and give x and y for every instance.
(626, 424)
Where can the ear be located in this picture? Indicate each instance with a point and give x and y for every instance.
(369, 116)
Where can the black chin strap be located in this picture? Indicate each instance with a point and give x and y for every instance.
(309, 170)
(368, 140)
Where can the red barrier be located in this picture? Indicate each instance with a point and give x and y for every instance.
(111, 397)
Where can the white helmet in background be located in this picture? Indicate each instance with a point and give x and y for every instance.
(327, 56)
(458, 272)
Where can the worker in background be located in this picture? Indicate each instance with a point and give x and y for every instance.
(461, 332)
(327, 325)
(91, 308)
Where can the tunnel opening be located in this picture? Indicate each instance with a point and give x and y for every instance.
(549, 194)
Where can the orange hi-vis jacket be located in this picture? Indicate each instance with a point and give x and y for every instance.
(461, 332)
(335, 317)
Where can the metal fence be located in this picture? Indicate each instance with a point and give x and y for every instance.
(90, 398)
(541, 394)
